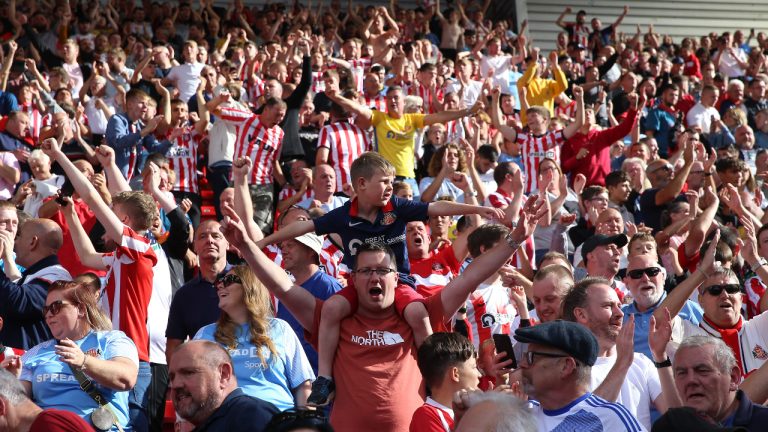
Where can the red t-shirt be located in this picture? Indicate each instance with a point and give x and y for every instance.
(129, 287)
(54, 420)
(68, 254)
(377, 378)
(433, 273)
(432, 417)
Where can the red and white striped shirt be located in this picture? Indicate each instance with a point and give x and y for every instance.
(255, 140)
(129, 287)
(454, 131)
(273, 252)
(35, 121)
(755, 291)
(430, 105)
(345, 143)
(318, 85)
(533, 149)
(432, 417)
(254, 88)
(331, 258)
(433, 273)
(489, 311)
(182, 158)
(287, 191)
(578, 33)
(378, 102)
(569, 111)
(359, 68)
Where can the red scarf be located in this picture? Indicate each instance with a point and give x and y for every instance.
(731, 338)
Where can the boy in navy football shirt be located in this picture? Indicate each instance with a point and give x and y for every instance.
(374, 216)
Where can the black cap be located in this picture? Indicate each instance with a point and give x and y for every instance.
(687, 419)
(620, 240)
(567, 336)
(576, 46)
(678, 60)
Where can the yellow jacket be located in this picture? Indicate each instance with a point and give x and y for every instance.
(541, 91)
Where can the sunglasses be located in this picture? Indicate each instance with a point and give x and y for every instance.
(716, 290)
(227, 280)
(650, 272)
(55, 307)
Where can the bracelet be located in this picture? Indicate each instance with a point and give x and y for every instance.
(512, 242)
(664, 364)
(471, 193)
(82, 366)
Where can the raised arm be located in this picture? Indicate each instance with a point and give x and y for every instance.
(508, 132)
(573, 128)
(561, 19)
(112, 224)
(298, 300)
(350, 105)
(675, 186)
(455, 294)
(677, 297)
(243, 205)
(83, 245)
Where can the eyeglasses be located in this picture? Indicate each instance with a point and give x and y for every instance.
(55, 307)
(667, 167)
(380, 271)
(638, 273)
(716, 290)
(530, 356)
(227, 280)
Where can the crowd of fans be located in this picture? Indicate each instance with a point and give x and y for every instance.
(336, 217)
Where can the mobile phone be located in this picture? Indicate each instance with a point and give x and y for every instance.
(504, 344)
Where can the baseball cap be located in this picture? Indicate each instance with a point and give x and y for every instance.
(687, 419)
(620, 240)
(311, 241)
(569, 337)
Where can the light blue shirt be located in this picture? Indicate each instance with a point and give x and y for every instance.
(691, 312)
(54, 385)
(273, 383)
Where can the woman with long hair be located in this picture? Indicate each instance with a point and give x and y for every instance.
(83, 340)
(269, 361)
(448, 173)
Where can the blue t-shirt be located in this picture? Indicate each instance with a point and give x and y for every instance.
(283, 373)
(389, 228)
(690, 312)
(54, 385)
(662, 122)
(322, 286)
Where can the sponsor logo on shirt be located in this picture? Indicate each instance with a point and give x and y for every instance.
(759, 353)
(491, 319)
(377, 338)
(56, 377)
(542, 154)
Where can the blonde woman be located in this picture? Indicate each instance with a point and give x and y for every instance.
(269, 361)
(82, 339)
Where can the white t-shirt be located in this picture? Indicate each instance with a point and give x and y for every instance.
(187, 78)
(159, 306)
(336, 202)
(589, 413)
(501, 66)
(446, 189)
(640, 388)
(701, 116)
(471, 91)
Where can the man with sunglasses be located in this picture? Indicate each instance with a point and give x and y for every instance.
(556, 368)
(645, 280)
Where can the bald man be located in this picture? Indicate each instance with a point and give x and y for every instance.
(22, 300)
(205, 393)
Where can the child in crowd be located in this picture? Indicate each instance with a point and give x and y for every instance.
(448, 363)
(374, 216)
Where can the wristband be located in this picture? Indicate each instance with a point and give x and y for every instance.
(760, 262)
(512, 242)
(661, 365)
(471, 193)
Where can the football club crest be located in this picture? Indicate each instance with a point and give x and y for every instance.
(759, 353)
(388, 219)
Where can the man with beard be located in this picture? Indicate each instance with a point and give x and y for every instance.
(557, 368)
(645, 281)
(594, 304)
(204, 391)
